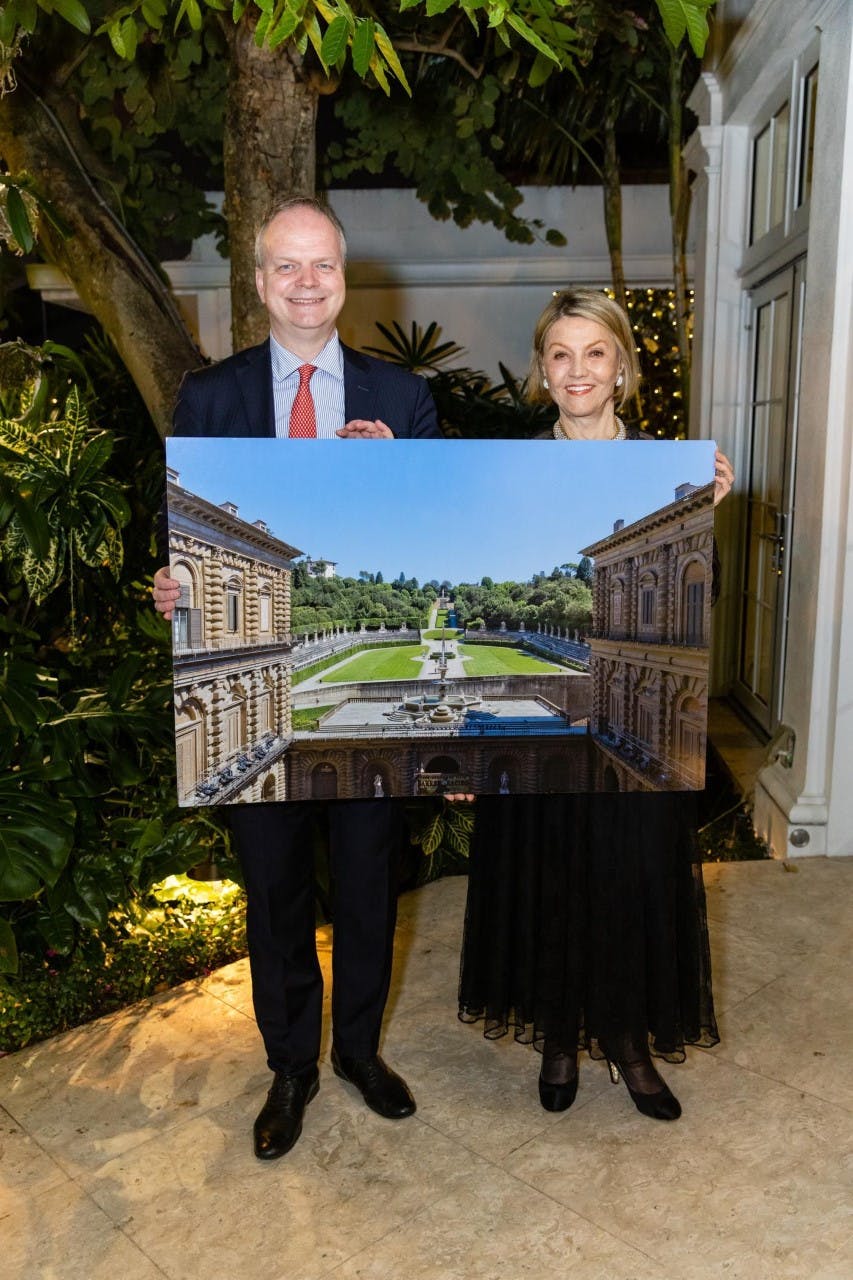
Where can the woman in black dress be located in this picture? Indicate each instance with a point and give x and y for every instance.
(585, 924)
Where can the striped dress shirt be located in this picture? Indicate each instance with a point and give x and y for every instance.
(327, 387)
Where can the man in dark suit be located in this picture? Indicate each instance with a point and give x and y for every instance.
(304, 382)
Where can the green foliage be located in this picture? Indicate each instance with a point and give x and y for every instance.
(88, 812)
(419, 352)
(60, 511)
(302, 718)
(564, 602)
(652, 315)
(686, 17)
(135, 953)
(442, 829)
(444, 142)
(318, 603)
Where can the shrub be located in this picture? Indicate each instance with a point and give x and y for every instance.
(137, 953)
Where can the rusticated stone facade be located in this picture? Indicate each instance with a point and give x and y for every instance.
(422, 765)
(231, 636)
(650, 646)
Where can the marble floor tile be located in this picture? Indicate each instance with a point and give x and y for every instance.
(232, 984)
(798, 1030)
(480, 1093)
(742, 965)
(424, 969)
(93, 1092)
(804, 910)
(24, 1168)
(493, 1226)
(196, 1200)
(748, 1183)
(436, 911)
(63, 1235)
(150, 1112)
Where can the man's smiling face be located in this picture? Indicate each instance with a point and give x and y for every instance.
(301, 282)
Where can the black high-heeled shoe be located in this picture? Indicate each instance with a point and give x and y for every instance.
(558, 1095)
(660, 1105)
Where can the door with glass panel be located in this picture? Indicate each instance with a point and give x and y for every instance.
(775, 323)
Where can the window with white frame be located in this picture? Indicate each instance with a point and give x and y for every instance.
(769, 172)
(805, 165)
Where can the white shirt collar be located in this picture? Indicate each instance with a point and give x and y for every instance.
(285, 363)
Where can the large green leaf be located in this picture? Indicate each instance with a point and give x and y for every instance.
(95, 454)
(362, 45)
(74, 12)
(30, 518)
(36, 838)
(334, 41)
(19, 220)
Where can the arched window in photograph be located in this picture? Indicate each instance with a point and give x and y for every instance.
(324, 782)
(187, 628)
(265, 608)
(504, 775)
(690, 739)
(616, 595)
(264, 712)
(268, 789)
(611, 780)
(693, 603)
(646, 714)
(615, 710)
(648, 602)
(442, 764)
(233, 606)
(234, 726)
(190, 750)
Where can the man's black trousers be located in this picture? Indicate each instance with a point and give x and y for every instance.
(275, 846)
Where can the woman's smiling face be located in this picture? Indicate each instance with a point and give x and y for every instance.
(581, 362)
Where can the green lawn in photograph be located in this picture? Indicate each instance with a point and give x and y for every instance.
(448, 634)
(500, 660)
(400, 663)
(307, 717)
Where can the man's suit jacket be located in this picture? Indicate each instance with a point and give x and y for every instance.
(234, 397)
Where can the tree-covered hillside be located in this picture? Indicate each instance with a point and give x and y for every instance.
(562, 599)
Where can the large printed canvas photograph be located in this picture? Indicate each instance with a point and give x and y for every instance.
(418, 617)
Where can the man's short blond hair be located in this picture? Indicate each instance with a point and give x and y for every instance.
(298, 202)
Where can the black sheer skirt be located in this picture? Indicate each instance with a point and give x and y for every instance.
(585, 922)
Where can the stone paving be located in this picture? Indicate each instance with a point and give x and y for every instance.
(125, 1145)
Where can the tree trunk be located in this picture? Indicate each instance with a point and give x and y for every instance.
(111, 276)
(612, 182)
(269, 153)
(679, 209)
(613, 207)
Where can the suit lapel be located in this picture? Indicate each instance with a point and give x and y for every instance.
(360, 386)
(254, 380)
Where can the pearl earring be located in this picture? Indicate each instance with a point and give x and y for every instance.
(619, 380)
(544, 382)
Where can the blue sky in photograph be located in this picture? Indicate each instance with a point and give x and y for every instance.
(455, 509)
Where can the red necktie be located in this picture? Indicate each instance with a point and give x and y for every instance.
(303, 422)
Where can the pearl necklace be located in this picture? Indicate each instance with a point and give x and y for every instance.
(620, 434)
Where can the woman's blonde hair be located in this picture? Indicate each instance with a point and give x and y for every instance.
(587, 304)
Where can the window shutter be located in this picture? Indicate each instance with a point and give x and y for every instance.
(195, 628)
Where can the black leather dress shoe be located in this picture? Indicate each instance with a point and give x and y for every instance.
(279, 1121)
(382, 1089)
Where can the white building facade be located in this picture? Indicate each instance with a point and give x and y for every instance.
(773, 385)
